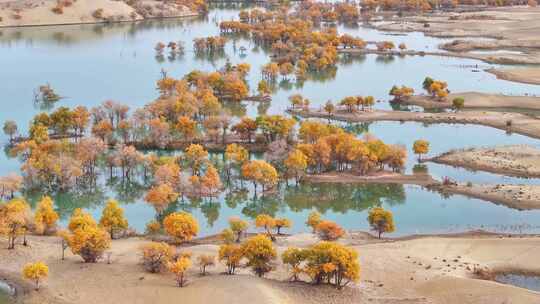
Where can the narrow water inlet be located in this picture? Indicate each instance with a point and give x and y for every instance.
(527, 281)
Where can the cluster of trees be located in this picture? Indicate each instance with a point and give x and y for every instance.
(290, 35)
(318, 12)
(436, 88)
(209, 45)
(159, 257)
(325, 147)
(199, 178)
(428, 5)
(354, 103)
(85, 236)
(325, 262)
(10, 184)
(175, 49)
(385, 45)
(328, 262)
(401, 93)
(63, 122)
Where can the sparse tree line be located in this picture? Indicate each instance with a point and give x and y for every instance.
(430, 5)
(436, 89)
(325, 262)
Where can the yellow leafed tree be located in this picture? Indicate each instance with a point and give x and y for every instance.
(160, 197)
(113, 218)
(181, 226)
(156, 256)
(178, 268)
(230, 255)
(381, 220)
(260, 252)
(14, 220)
(36, 272)
(45, 217)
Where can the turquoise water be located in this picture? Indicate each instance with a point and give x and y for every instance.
(88, 64)
(530, 282)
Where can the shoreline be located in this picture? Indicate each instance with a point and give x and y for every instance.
(103, 22)
(381, 178)
(487, 58)
(509, 122)
(499, 194)
(479, 167)
(512, 160)
(522, 75)
(509, 195)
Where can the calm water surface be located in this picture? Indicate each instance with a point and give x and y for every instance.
(520, 280)
(91, 63)
(5, 293)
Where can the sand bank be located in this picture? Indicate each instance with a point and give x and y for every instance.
(430, 267)
(15, 13)
(509, 122)
(520, 197)
(376, 178)
(530, 75)
(477, 100)
(514, 160)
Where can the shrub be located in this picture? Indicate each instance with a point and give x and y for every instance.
(458, 103)
(153, 227)
(58, 9)
(205, 261)
(293, 257)
(227, 235)
(260, 252)
(329, 231)
(179, 268)
(98, 14)
(314, 219)
(155, 256)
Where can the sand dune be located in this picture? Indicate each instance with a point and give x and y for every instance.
(40, 12)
